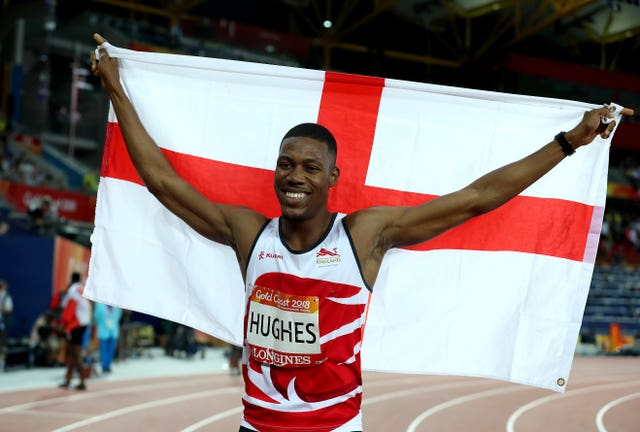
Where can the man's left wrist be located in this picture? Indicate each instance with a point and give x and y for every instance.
(565, 143)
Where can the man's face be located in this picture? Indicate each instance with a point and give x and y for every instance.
(304, 173)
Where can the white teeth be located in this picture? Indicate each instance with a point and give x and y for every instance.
(293, 195)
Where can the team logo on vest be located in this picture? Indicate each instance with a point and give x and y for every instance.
(326, 257)
(264, 255)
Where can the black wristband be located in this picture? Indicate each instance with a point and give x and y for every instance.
(566, 146)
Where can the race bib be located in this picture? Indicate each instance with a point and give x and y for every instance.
(283, 329)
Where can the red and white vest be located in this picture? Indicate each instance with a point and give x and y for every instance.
(76, 308)
(304, 320)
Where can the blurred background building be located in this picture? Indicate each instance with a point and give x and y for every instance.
(53, 112)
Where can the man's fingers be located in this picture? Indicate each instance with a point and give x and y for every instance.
(95, 58)
(609, 111)
(610, 127)
(99, 39)
(602, 128)
(92, 57)
(627, 112)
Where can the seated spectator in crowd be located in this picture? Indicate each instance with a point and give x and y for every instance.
(4, 227)
(43, 216)
(44, 341)
(26, 168)
(183, 341)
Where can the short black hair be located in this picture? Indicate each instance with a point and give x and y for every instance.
(75, 277)
(317, 132)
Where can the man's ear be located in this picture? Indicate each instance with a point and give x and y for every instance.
(334, 176)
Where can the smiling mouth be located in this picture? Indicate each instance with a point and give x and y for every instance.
(295, 195)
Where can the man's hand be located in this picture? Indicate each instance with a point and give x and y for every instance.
(106, 67)
(592, 125)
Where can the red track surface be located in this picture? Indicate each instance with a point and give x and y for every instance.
(603, 395)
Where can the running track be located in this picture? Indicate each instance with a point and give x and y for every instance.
(603, 395)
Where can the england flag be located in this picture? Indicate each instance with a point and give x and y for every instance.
(501, 296)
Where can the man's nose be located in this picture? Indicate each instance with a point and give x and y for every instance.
(296, 175)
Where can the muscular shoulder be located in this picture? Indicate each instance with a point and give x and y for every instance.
(372, 218)
(368, 228)
(245, 224)
(369, 232)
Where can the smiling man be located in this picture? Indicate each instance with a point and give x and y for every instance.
(308, 273)
(305, 170)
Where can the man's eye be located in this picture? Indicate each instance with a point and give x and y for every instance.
(313, 169)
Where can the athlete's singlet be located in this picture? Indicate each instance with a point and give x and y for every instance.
(303, 327)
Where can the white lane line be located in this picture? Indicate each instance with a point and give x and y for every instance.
(52, 414)
(607, 407)
(95, 394)
(533, 404)
(144, 406)
(424, 389)
(388, 382)
(112, 379)
(413, 426)
(366, 401)
(213, 419)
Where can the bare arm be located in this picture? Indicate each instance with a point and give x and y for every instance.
(376, 230)
(231, 225)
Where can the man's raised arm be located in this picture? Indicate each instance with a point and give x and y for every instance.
(232, 225)
(386, 227)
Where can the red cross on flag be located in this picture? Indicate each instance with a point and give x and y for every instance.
(501, 296)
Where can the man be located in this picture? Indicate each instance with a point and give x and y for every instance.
(107, 320)
(44, 341)
(6, 319)
(303, 320)
(43, 216)
(76, 317)
(55, 307)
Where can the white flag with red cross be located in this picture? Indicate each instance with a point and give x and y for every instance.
(501, 296)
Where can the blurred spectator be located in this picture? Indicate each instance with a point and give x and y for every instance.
(620, 237)
(6, 160)
(26, 171)
(90, 182)
(107, 320)
(182, 341)
(6, 319)
(235, 355)
(76, 317)
(22, 166)
(44, 341)
(55, 308)
(56, 304)
(61, 123)
(43, 216)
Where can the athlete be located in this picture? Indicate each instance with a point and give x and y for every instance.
(309, 273)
